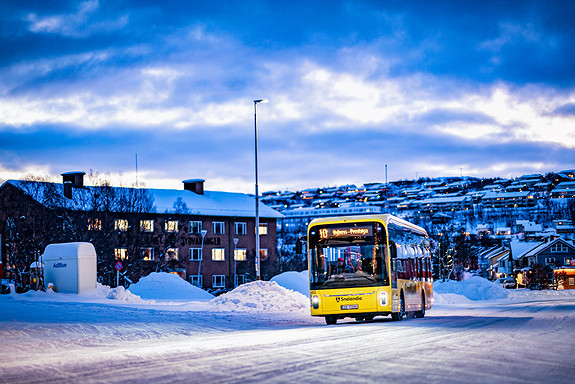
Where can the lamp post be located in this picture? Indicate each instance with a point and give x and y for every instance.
(235, 246)
(203, 232)
(256, 102)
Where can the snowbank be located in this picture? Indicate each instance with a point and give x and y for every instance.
(474, 288)
(257, 296)
(167, 286)
(296, 281)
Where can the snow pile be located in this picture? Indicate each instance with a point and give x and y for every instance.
(168, 286)
(474, 288)
(121, 293)
(267, 296)
(296, 281)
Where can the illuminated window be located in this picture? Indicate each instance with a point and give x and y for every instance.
(196, 280)
(218, 254)
(263, 229)
(263, 254)
(94, 224)
(218, 281)
(147, 225)
(147, 254)
(218, 228)
(568, 261)
(121, 225)
(171, 226)
(241, 228)
(172, 254)
(121, 253)
(195, 227)
(241, 254)
(195, 254)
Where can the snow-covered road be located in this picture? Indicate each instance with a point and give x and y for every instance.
(48, 340)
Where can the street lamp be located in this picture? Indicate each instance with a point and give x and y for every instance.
(256, 102)
(203, 232)
(235, 246)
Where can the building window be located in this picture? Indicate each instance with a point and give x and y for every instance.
(196, 280)
(147, 254)
(240, 254)
(121, 253)
(568, 261)
(94, 224)
(218, 254)
(218, 281)
(263, 229)
(196, 227)
(549, 260)
(218, 228)
(121, 225)
(172, 254)
(147, 225)
(263, 254)
(241, 228)
(240, 279)
(195, 254)
(171, 225)
(559, 248)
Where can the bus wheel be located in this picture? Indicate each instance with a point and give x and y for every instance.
(421, 313)
(330, 320)
(398, 316)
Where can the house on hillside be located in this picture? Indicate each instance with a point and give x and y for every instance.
(206, 237)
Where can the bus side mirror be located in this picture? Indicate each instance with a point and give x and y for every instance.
(299, 246)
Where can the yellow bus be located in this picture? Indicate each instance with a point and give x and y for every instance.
(368, 265)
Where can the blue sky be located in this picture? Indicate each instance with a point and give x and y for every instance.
(429, 89)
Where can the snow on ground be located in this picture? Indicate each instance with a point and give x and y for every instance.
(165, 330)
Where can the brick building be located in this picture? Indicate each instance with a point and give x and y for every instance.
(207, 237)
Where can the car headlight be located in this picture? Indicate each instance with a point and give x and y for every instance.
(315, 302)
(383, 298)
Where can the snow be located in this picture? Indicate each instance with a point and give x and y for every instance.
(160, 330)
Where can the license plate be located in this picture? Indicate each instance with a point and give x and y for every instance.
(355, 306)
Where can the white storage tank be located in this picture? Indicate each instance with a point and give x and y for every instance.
(71, 267)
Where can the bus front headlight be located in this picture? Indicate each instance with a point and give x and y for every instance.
(383, 298)
(315, 302)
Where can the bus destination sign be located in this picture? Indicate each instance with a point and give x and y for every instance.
(334, 233)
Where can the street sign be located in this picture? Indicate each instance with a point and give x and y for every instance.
(118, 265)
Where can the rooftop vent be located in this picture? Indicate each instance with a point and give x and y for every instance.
(194, 185)
(72, 180)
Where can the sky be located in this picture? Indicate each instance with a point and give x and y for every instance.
(159, 92)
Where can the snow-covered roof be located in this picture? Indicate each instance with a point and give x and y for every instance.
(210, 203)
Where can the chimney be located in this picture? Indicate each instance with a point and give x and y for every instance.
(194, 185)
(76, 178)
(72, 180)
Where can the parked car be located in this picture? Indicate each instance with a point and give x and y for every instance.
(507, 282)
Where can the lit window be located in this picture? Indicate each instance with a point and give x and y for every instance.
(218, 281)
(195, 227)
(196, 280)
(172, 254)
(241, 254)
(147, 254)
(121, 225)
(121, 253)
(263, 229)
(171, 226)
(218, 228)
(195, 254)
(94, 224)
(263, 254)
(568, 261)
(218, 254)
(241, 228)
(147, 225)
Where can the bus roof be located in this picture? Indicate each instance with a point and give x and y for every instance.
(385, 218)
